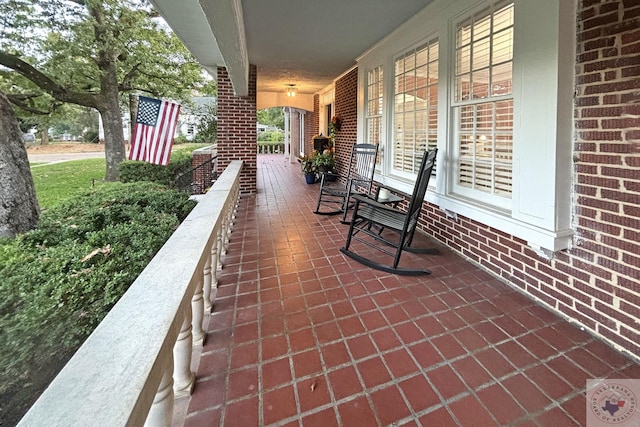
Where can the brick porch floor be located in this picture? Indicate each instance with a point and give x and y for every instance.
(301, 335)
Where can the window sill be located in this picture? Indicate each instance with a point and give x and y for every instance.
(543, 241)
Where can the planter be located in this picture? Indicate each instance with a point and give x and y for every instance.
(310, 177)
(330, 176)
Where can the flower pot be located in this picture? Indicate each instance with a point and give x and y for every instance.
(310, 177)
(330, 176)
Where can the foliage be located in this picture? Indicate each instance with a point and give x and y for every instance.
(207, 125)
(89, 53)
(324, 160)
(271, 117)
(62, 278)
(307, 165)
(178, 140)
(90, 136)
(133, 171)
(59, 181)
(275, 135)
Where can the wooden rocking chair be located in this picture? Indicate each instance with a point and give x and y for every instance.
(335, 197)
(371, 218)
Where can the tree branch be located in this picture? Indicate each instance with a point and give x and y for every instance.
(21, 102)
(45, 83)
(128, 77)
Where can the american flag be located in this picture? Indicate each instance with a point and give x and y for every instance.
(153, 134)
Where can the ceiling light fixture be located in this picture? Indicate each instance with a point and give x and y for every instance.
(292, 90)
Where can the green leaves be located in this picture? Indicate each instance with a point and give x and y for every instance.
(52, 294)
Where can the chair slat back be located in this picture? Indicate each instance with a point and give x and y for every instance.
(362, 164)
(420, 189)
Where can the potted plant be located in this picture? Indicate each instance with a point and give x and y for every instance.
(309, 169)
(325, 164)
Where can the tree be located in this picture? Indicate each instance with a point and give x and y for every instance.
(272, 116)
(18, 204)
(91, 52)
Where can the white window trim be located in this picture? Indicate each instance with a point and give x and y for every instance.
(543, 73)
(366, 117)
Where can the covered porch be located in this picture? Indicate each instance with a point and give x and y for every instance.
(300, 335)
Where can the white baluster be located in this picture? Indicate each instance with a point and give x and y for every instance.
(197, 309)
(206, 288)
(223, 236)
(219, 246)
(161, 412)
(183, 377)
(214, 266)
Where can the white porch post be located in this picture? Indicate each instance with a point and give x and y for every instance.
(287, 129)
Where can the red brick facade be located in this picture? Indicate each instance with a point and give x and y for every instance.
(311, 125)
(204, 170)
(597, 282)
(346, 108)
(237, 133)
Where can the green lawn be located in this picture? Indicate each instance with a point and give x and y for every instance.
(59, 181)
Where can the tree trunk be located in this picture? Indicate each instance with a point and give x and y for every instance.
(44, 137)
(18, 204)
(109, 109)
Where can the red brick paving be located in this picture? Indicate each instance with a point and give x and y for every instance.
(302, 336)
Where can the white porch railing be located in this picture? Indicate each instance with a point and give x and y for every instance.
(128, 370)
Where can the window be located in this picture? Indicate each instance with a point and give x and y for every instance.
(373, 112)
(483, 105)
(491, 81)
(415, 117)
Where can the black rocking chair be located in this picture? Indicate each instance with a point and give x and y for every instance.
(371, 218)
(335, 197)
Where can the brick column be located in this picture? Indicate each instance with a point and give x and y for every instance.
(311, 125)
(237, 134)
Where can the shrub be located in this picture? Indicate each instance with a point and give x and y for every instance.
(274, 135)
(90, 136)
(61, 279)
(180, 139)
(135, 171)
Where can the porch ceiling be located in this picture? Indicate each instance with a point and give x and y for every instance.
(303, 42)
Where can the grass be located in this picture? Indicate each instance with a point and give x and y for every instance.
(59, 181)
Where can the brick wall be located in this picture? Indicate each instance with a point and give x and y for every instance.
(607, 170)
(237, 133)
(203, 171)
(596, 283)
(346, 108)
(311, 125)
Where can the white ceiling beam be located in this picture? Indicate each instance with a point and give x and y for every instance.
(227, 24)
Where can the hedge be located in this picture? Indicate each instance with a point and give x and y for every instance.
(61, 279)
(135, 171)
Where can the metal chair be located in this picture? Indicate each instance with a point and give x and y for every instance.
(335, 197)
(371, 218)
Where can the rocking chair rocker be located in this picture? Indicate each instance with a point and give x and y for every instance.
(371, 218)
(336, 196)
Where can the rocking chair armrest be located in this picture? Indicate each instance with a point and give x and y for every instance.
(323, 175)
(337, 175)
(392, 190)
(374, 203)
